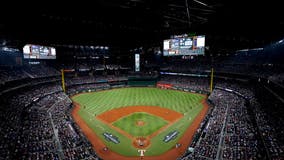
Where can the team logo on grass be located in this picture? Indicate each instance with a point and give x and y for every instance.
(141, 151)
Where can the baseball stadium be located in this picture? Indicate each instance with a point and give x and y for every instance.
(142, 80)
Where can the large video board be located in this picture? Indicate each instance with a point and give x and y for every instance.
(39, 52)
(184, 45)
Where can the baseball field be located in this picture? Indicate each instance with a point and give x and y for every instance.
(121, 122)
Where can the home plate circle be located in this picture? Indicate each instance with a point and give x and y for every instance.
(141, 142)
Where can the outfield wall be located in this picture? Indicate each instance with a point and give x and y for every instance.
(142, 81)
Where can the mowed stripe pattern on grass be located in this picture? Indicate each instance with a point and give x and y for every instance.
(98, 102)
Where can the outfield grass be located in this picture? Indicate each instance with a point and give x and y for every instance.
(128, 124)
(96, 103)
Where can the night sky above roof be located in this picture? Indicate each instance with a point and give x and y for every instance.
(143, 22)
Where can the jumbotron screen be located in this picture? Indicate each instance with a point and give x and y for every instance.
(184, 45)
(39, 52)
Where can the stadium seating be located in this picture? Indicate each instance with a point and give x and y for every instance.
(242, 123)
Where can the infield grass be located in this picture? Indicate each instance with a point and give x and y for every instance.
(129, 124)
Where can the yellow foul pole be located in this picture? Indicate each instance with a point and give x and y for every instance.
(211, 81)
(62, 79)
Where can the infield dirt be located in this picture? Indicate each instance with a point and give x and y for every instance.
(114, 114)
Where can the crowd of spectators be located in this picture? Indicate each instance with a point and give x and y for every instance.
(270, 134)
(13, 107)
(32, 71)
(274, 73)
(112, 67)
(40, 70)
(196, 65)
(253, 63)
(36, 124)
(93, 79)
(10, 74)
(87, 88)
(241, 87)
(229, 133)
(242, 138)
(92, 83)
(73, 144)
(186, 82)
(269, 118)
(95, 67)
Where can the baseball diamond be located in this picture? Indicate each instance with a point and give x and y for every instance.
(140, 117)
(128, 124)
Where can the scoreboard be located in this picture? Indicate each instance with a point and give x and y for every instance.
(184, 45)
(39, 52)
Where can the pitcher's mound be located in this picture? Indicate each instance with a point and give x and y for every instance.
(140, 123)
